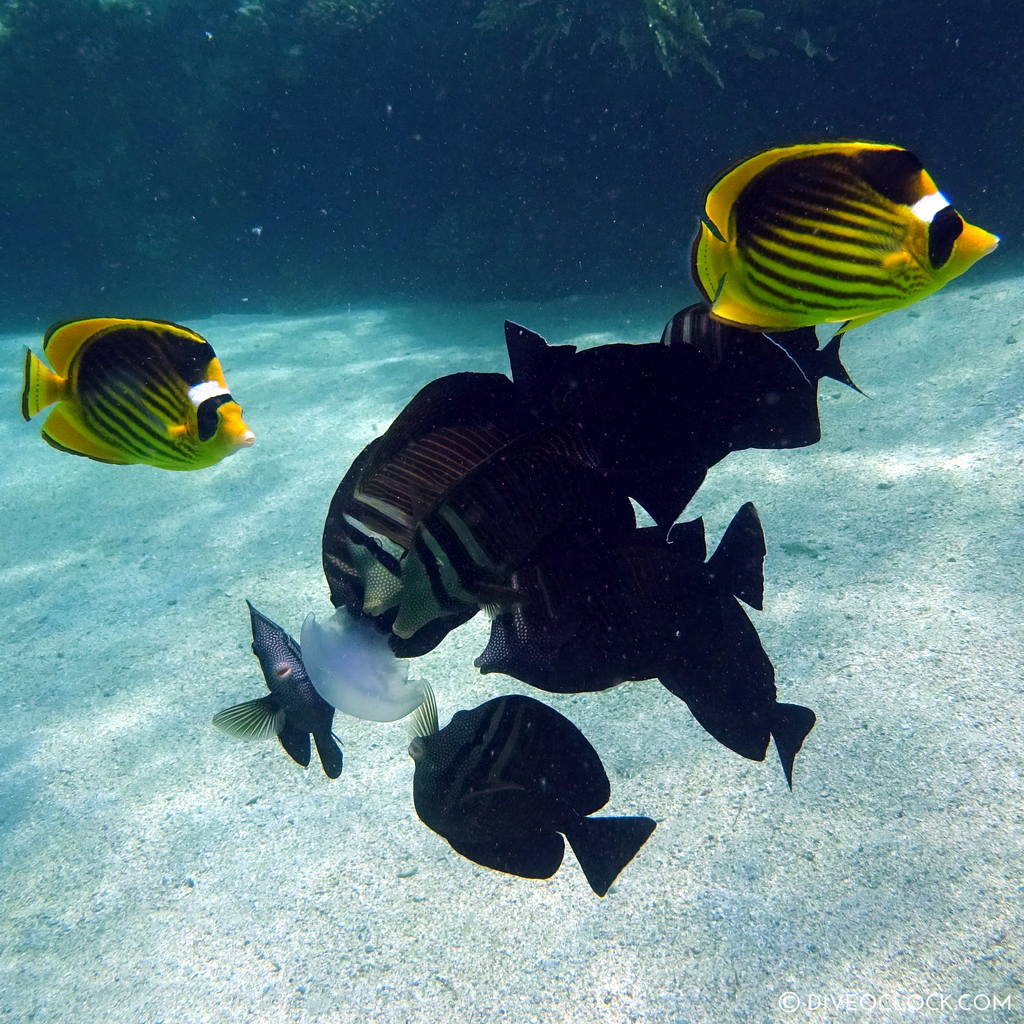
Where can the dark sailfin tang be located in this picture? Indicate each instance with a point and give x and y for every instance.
(293, 711)
(504, 782)
(653, 608)
(465, 486)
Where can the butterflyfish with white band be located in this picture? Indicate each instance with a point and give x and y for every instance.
(828, 233)
(134, 391)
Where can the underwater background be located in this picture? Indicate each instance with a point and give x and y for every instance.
(348, 199)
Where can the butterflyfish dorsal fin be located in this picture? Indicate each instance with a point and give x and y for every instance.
(738, 562)
(64, 339)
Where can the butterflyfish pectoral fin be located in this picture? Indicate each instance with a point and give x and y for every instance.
(42, 387)
(63, 432)
(254, 720)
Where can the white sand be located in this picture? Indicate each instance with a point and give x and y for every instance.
(156, 870)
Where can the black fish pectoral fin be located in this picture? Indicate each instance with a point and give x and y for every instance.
(535, 855)
(604, 846)
(253, 719)
(738, 562)
(330, 754)
(296, 743)
(790, 726)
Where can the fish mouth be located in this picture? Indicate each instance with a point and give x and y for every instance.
(416, 748)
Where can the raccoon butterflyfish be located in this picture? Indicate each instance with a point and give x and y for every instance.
(293, 710)
(504, 782)
(134, 391)
(832, 232)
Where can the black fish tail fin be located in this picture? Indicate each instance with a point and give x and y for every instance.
(830, 365)
(604, 846)
(535, 364)
(296, 744)
(330, 753)
(738, 562)
(790, 726)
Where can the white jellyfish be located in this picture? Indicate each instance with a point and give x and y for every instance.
(352, 667)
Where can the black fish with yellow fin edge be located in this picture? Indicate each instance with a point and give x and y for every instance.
(504, 782)
(134, 391)
(831, 232)
(653, 608)
(464, 486)
(293, 711)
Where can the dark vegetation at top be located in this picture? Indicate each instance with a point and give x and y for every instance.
(175, 156)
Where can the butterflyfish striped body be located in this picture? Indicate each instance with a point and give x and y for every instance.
(828, 233)
(134, 391)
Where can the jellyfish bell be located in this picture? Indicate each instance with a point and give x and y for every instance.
(352, 667)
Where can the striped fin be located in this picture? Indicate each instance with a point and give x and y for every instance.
(254, 720)
(63, 431)
(42, 387)
(412, 483)
(424, 719)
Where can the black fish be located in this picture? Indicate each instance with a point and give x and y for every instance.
(652, 608)
(463, 488)
(659, 416)
(293, 710)
(503, 782)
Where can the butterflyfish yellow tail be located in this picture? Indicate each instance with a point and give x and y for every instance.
(43, 387)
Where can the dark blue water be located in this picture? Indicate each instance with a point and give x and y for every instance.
(294, 153)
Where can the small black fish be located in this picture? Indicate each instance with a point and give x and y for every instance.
(293, 710)
(653, 608)
(503, 782)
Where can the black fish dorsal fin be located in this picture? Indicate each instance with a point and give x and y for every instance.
(738, 562)
(535, 364)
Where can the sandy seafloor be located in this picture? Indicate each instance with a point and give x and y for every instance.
(156, 870)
